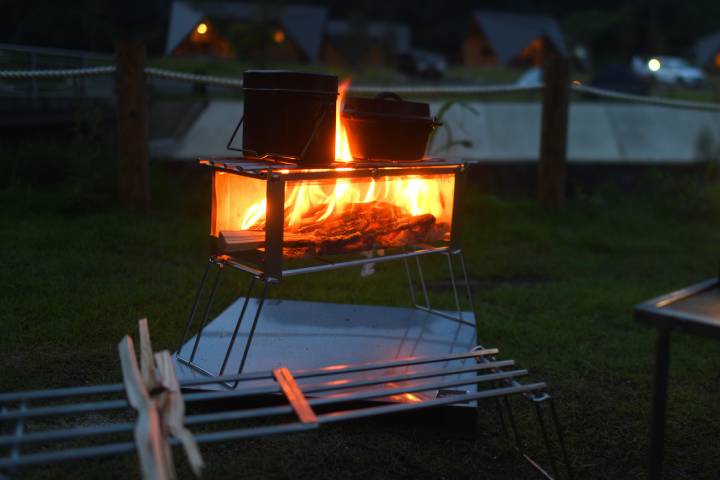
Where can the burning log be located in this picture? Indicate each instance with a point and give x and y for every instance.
(359, 227)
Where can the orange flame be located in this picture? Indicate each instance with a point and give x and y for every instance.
(241, 204)
(342, 145)
(312, 201)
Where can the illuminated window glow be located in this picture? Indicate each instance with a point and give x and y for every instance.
(279, 36)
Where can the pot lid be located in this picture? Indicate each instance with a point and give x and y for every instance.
(387, 103)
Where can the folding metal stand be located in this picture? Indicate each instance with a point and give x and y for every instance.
(223, 261)
(539, 399)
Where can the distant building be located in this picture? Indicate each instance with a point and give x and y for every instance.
(707, 52)
(498, 38)
(287, 33)
(349, 43)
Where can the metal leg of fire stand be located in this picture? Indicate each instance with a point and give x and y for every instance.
(237, 325)
(231, 344)
(186, 330)
(546, 438)
(519, 443)
(513, 425)
(207, 312)
(454, 286)
(467, 286)
(216, 282)
(561, 437)
(411, 286)
(246, 350)
(453, 281)
(538, 400)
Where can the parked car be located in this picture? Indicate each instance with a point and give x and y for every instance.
(422, 64)
(668, 70)
(620, 79)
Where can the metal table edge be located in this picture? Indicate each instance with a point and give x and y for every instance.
(658, 312)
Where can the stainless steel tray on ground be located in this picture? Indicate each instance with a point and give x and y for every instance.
(307, 335)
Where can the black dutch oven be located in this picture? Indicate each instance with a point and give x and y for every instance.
(289, 116)
(387, 127)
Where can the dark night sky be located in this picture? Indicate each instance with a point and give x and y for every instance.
(612, 28)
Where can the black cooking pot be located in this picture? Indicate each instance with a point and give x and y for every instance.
(387, 127)
(289, 116)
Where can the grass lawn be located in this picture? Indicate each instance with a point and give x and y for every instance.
(554, 291)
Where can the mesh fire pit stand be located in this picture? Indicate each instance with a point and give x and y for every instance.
(251, 307)
(310, 334)
(256, 334)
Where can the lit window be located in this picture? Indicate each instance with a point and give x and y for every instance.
(202, 29)
(279, 36)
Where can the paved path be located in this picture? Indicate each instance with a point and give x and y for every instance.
(509, 132)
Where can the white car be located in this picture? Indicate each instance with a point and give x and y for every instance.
(668, 70)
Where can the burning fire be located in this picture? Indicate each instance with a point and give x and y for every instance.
(343, 215)
(342, 145)
(308, 203)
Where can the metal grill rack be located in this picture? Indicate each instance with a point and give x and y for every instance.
(30, 435)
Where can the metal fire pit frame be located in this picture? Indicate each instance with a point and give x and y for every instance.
(272, 270)
(223, 261)
(276, 175)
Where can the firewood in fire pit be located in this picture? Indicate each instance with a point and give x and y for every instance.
(357, 227)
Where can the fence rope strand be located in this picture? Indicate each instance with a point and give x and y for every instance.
(232, 82)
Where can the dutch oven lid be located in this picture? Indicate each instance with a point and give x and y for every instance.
(386, 104)
(290, 81)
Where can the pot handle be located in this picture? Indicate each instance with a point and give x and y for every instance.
(388, 96)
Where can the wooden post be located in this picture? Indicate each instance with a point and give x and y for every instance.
(132, 123)
(553, 133)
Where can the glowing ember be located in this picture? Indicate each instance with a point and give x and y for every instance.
(342, 145)
(405, 398)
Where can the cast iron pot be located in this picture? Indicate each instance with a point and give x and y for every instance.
(387, 127)
(289, 116)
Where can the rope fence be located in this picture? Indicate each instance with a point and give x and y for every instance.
(646, 99)
(193, 77)
(447, 89)
(57, 73)
(368, 89)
